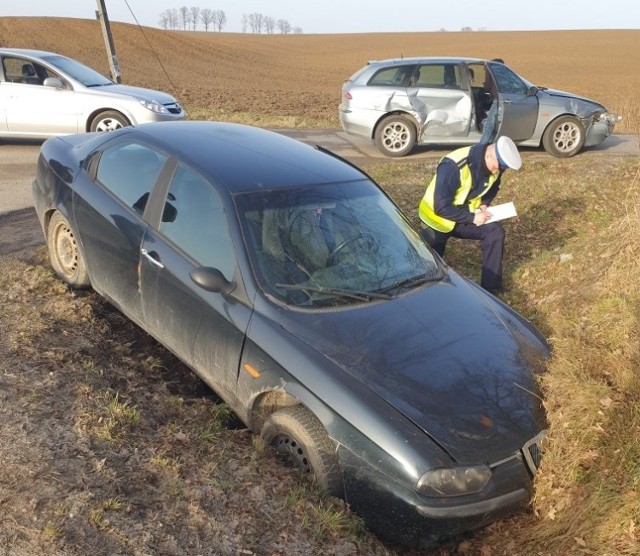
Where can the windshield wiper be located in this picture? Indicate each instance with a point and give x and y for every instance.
(350, 294)
(410, 282)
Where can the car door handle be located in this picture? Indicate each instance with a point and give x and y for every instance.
(155, 262)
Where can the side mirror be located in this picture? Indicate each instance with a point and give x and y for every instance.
(212, 280)
(532, 91)
(53, 82)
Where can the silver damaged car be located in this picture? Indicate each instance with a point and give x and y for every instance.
(43, 94)
(402, 103)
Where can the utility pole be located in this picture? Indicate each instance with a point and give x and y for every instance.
(103, 18)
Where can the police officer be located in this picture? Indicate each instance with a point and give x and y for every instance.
(456, 201)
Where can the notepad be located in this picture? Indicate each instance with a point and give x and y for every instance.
(501, 212)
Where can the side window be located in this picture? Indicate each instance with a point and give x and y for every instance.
(507, 80)
(442, 76)
(194, 220)
(130, 170)
(21, 70)
(393, 76)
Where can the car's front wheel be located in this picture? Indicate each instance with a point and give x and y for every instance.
(299, 439)
(564, 137)
(65, 255)
(109, 120)
(395, 136)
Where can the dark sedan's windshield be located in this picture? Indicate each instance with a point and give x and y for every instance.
(80, 72)
(332, 244)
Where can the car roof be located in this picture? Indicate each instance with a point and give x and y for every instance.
(28, 52)
(246, 158)
(423, 59)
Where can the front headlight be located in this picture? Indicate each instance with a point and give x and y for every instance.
(153, 105)
(610, 117)
(454, 481)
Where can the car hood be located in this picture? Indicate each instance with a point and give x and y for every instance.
(141, 92)
(564, 94)
(454, 360)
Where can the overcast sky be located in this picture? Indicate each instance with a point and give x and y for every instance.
(364, 16)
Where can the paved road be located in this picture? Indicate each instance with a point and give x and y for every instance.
(18, 158)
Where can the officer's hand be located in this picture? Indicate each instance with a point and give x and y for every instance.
(481, 216)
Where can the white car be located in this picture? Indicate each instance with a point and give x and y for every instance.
(43, 94)
(446, 101)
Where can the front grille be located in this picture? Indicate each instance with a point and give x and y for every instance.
(174, 108)
(532, 452)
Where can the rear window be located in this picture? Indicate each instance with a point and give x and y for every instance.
(393, 76)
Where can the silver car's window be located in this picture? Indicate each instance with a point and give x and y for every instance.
(194, 220)
(129, 171)
(310, 244)
(444, 76)
(508, 81)
(80, 72)
(21, 70)
(393, 76)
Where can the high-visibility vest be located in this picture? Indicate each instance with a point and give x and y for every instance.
(426, 210)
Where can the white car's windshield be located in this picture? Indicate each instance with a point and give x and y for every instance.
(79, 72)
(332, 244)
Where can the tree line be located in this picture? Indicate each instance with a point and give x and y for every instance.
(190, 19)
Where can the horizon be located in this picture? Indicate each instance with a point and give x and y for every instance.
(358, 17)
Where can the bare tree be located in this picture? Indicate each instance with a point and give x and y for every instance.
(245, 22)
(297, 30)
(284, 26)
(206, 16)
(185, 17)
(269, 24)
(163, 20)
(195, 16)
(219, 20)
(174, 18)
(256, 21)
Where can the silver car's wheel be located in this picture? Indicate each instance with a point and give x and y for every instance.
(564, 137)
(110, 120)
(395, 136)
(66, 259)
(299, 439)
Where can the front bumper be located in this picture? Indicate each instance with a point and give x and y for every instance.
(399, 515)
(600, 128)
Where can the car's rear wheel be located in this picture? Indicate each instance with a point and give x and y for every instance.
(395, 136)
(564, 137)
(64, 252)
(109, 120)
(299, 440)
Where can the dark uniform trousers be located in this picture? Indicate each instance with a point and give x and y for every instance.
(491, 238)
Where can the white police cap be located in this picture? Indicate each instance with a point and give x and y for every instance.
(507, 153)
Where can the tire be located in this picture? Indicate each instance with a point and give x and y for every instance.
(110, 120)
(395, 136)
(564, 137)
(299, 440)
(64, 253)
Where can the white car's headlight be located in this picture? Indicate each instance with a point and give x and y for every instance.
(454, 481)
(153, 105)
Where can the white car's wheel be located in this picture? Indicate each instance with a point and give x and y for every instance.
(395, 136)
(564, 137)
(110, 120)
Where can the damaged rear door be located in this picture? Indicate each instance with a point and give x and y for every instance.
(439, 102)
